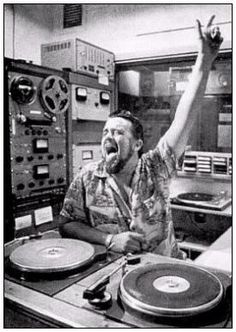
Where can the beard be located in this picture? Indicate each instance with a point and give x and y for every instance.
(116, 163)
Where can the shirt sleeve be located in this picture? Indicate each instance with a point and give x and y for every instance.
(74, 202)
(163, 159)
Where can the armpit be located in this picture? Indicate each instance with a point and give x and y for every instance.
(163, 160)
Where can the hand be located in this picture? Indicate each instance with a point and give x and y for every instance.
(210, 39)
(127, 242)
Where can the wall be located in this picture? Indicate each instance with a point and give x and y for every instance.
(130, 30)
(9, 31)
(126, 29)
(26, 28)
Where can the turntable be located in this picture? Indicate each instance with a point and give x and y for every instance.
(52, 256)
(50, 264)
(104, 289)
(203, 200)
(172, 291)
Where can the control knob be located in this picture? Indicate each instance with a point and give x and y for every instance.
(21, 118)
(58, 130)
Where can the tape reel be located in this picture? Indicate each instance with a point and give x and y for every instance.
(23, 90)
(54, 94)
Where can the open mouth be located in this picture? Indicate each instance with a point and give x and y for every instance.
(111, 152)
(111, 149)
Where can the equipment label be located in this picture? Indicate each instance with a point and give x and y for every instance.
(43, 215)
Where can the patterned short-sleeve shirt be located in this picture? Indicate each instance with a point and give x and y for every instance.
(95, 198)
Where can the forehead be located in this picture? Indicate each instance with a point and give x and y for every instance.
(115, 123)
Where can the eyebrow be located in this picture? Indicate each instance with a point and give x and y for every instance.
(115, 128)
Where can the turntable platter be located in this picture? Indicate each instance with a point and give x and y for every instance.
(170, 290)
(52, 255)
(196, 197)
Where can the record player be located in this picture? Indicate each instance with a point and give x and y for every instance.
(145, 290)
(203, 200)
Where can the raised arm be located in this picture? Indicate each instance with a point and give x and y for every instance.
(191, 100)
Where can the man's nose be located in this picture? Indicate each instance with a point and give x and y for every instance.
(133, 226)
(109, 136)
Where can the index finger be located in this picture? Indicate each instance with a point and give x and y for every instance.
(210, 21)
(199, 29)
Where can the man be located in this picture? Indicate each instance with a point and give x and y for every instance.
(122, 201)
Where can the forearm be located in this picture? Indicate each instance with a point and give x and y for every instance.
(189, 106)
(192, 98)
(123, 242)
(81, 231)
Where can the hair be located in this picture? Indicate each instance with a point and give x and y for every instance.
(137, 128)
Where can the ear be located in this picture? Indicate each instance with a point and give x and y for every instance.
(138, 144)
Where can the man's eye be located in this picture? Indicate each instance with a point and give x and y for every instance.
(151, 221)
(119, 132)
(104, 132)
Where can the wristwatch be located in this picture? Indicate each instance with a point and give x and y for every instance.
(108, 240)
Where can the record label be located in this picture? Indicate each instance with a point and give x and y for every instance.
(171, 284)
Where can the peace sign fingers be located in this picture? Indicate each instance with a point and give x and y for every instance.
(210, 37)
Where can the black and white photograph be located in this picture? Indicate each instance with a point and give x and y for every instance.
(117, 176)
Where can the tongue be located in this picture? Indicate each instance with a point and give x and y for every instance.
(111, 156)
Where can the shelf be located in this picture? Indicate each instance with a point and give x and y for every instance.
(207, 176)
(226, 212)
(213, 165)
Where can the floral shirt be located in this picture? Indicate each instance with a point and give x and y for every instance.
(94, 197)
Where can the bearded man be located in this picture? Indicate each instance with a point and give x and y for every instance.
(122, 201)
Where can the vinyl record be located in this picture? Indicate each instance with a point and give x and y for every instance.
(170, 290)
(52, 255)
(195, 197)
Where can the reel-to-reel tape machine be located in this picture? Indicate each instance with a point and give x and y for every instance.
(37, 107)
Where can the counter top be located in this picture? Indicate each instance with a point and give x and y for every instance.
(218, 255)
(54, 310)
